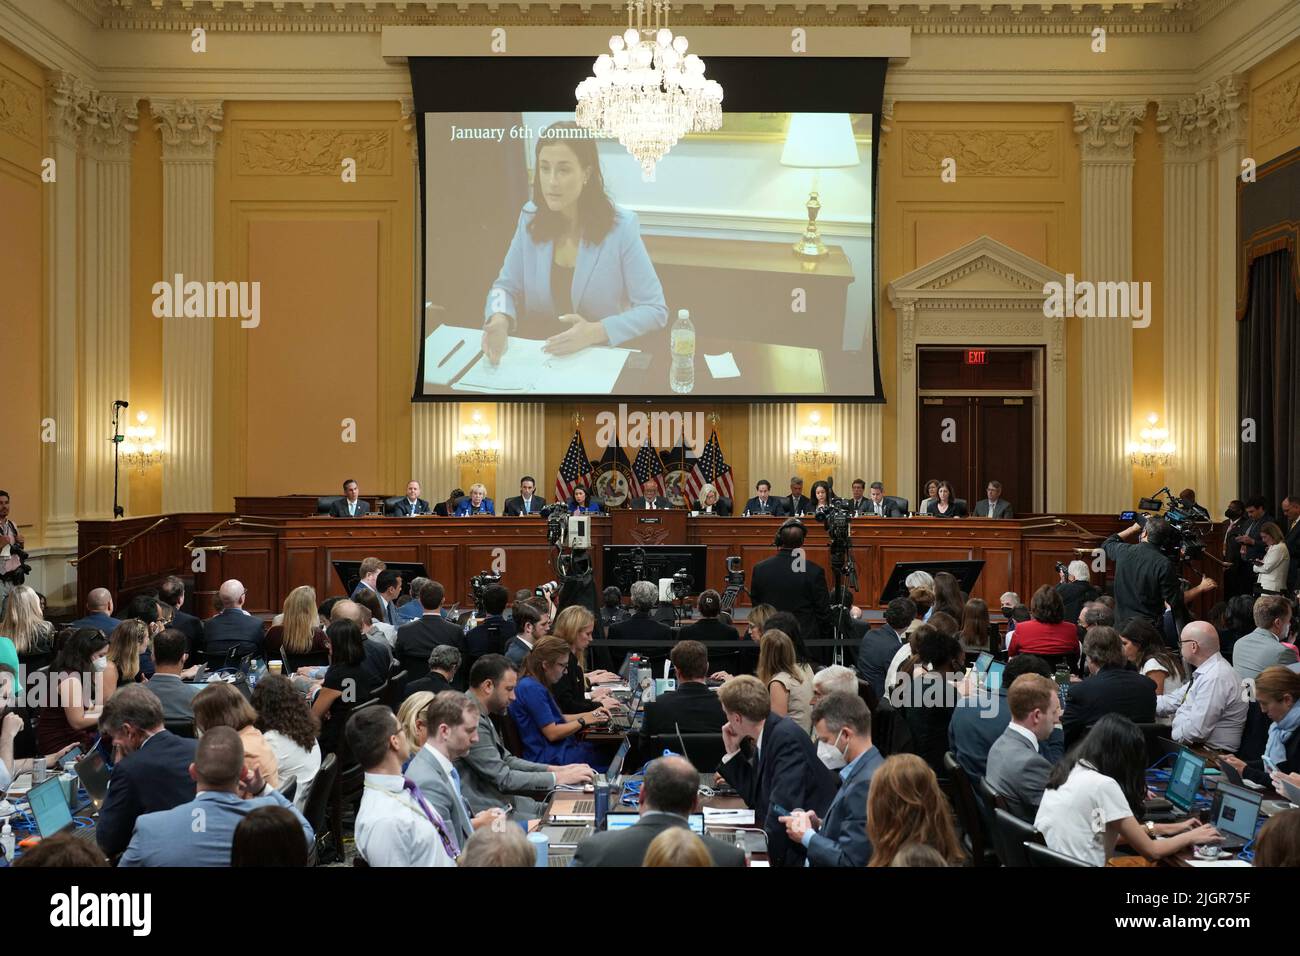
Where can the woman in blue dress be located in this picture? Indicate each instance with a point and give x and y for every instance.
(583, 503)
(549, 736)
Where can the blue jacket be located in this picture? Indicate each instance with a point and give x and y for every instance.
(155, 777)
(614, 281)
(201, 832)
(99, 620)
(976, 726)
(842, 839)
(466, 508)
(594, 507)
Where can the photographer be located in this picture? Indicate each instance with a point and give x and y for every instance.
(1075, 588)
(1146, 576)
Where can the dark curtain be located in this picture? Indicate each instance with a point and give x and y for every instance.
(1268, 376)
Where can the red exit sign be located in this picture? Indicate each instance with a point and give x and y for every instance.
(977, 357)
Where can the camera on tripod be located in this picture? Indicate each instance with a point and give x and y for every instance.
(479, 583)
(735, 576)
(682, 584)
(1185, 542)
(836, 519)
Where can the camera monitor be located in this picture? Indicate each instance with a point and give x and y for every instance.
(623, 565)
(966, 573)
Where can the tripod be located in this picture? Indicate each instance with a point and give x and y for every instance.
(118, 510)
(842, 567)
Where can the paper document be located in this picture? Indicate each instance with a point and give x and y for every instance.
(526, 368)
(730, 818)
(722, 366)
(447, 351)
(1217, 863)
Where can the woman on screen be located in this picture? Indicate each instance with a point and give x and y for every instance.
(582, 502)
(577, 273)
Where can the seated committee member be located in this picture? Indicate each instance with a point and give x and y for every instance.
(692, 708)
(1262, 648)
(843, 722)
(582, 503)
(776, 770)
(945, 504)
(175, 695)
(490, 775)
(526, 503)
(763, 503)
(350, 505)
(548, 735)
(225, 794)
(1111, 688)
(1277, 691)
(412, 504)
(822, 496)
(974, 730)
(878, 505)
(233, 632)
(145, 779)
(577, 273)
(650, 499)
(446, 509)
(1210, 708)
(478, 503)
(668, 796)
(1018, 762)
(711, 503)
(797, 503)
(1094, 796)
(931, 495)
(993, 505)
(881, 645)
(858, 500)
(395, 825)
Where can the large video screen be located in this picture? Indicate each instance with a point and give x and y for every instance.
(555, 267)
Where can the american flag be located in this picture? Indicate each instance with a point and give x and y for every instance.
(573, 470)
(710, 468)
(647, 465)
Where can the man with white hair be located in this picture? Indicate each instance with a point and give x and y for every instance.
(233, 632)
(99, 612)
(1075, 589)
(919, 579)
(641, 626)
(1209, 709)
(832, 680)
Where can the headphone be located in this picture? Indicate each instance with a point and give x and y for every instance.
(788, 523)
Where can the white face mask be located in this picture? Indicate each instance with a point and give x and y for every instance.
(100, 663)
(830, 755)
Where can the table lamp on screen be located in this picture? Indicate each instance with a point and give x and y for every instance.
(817, 141)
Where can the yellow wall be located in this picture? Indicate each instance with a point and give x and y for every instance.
(335, 262)
(1275, 104)
(146, 329)
(22, 239)
(1148, 266)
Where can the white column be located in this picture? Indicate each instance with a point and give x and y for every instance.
(189, 141)
(106, 310)
(857, 430)
(69, 97)
(1106, 142)
(434, 427)
(772, 431)
(1229, 151)
(521, 426)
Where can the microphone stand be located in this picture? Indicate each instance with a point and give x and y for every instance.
(118, 510)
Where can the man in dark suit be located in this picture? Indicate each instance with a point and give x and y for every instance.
(443, 666)
(446, 509)
(797, 503)
(641, 626)
(234, 629)
(172, 593)
(416, 639)
(790, 582)
(881, 506)
(993, 505)
(842, 721)
(350, 505)
(778, 772)
(1112, 688)
(1291, 516)
(494, 633)
(412, 504)
(669, 795)
(145, 779)
(526, 504)
(763, 503)
(711, 627)
(881, 644)
(692, 708)
(650, 499)
(99, 612)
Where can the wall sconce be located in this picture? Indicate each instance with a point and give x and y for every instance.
(141, 447)
(1155, 450)
(474, 447)
(814, 449)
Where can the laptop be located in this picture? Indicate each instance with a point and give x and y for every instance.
(49, 808)
(1235, 814)
(624, 722)
(621, 821)
(1185, 781)
(94, 778)
(584, 811)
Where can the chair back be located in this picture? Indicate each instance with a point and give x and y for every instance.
(289, 788)
(390, 504)
(325, 502)
(416, 666)
(510, 735)
(1254, 736)
(1011, 834)
(868, 694)
(1039, 855)
(394, 692)
(968, 813)
(181, 728)
(318, 796)
(704, 751)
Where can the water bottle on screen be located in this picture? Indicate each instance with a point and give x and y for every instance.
(682, 338)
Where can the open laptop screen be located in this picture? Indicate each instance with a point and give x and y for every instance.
(1237, 811)
(1185, 780)
(50, 807)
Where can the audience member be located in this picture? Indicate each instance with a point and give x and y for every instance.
(794, 584)
(1210, 708)
(23, 623)
(493, 633)
(780, 769)
(225, 793)
(172, 594)
(983, 718)
(840, 839)
(220, 705)
(99, 612)
(1048, 634)
(346, 684)
(1075, 589)
(641, 626)
(233, 633)
(1111, 688)
(1274, 567)
(669, 794)
(906, 806)
(167, 683)
(378, 630)
(918, 854)
(978, 633)
(948, 596)
(711, 627)
(289, 730)
(73, 718)
(548, 734)
(410, 717)
(881, 644)
(300, 640)
(503, 846)
(125, 646)
(1278, 840)
(692, 708)
(1263, 647)
(788, 682)
(395, 825)
(1018, 762)
(530, 627)
(676, 847)
(63, 851)
(269, 836)
(1097, 614)
(927, 698)
(1277, 691)
(490, 775)
(444, 668)
(575, 625)
(1094, 796)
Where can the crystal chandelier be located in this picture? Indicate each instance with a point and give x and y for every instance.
(475, 449)
(1155, 450)
(141, 447)
(814, 449)
(648, 92)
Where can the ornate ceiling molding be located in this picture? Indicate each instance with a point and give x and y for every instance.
(978, 18)
(1106, 130)
(189, 129)
(1191, 126)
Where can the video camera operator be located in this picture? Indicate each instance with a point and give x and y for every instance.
(1146, 576)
